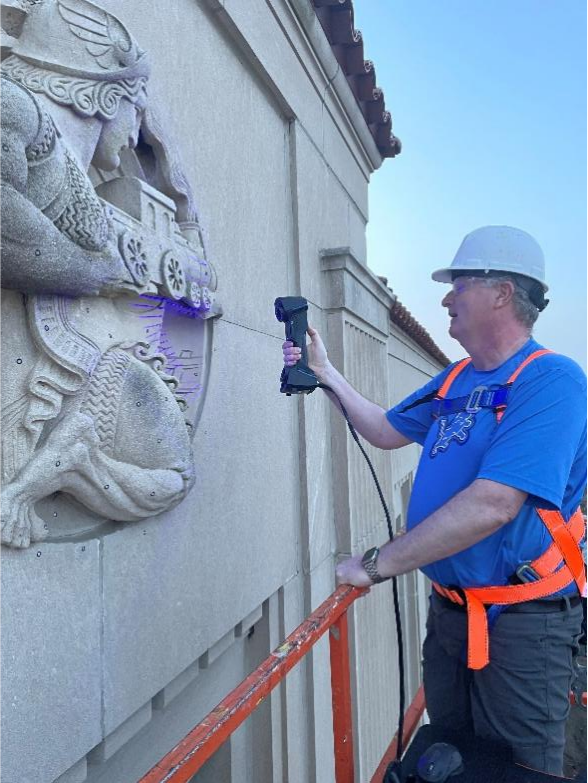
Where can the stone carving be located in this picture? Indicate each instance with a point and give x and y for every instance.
(107, 295)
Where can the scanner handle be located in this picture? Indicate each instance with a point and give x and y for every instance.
(291, 311)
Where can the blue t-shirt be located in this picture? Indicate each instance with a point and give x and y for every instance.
(539, 447)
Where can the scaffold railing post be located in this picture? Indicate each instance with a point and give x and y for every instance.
(341, 695)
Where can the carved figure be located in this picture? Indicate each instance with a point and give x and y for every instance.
(90, 404)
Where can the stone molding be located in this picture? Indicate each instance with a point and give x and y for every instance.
(352, 286)
(349, 278)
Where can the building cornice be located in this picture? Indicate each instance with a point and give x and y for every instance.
(336, 18)
(356, 91)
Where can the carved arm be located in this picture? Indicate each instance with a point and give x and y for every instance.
(38, 258)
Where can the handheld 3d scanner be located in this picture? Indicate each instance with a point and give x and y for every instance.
(298, 379)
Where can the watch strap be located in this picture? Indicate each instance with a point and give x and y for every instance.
(369, 563)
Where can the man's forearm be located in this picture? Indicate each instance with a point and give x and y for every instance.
(470, 516)
(368, 418)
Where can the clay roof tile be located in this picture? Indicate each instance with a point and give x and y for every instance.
(402, 318)
(336, 18)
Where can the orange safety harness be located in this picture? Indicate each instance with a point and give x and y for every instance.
(560, 565)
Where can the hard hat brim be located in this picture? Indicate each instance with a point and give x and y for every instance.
(446, 274)
(442, 275)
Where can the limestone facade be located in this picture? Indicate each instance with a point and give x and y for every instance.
(127, 616)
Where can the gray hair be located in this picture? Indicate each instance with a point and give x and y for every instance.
(525, 311)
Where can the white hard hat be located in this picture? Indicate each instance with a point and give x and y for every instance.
(497, 249)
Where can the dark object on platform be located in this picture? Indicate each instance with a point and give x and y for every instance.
(291, 311)
(393, 773)
(439, 762)
(484, 761)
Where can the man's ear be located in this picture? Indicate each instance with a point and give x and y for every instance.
(504, 293)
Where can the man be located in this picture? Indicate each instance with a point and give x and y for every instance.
(493, 454)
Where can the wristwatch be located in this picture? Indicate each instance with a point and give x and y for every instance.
(369, 563)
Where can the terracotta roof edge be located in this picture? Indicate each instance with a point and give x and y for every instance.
(307, 16)
(336, 19)
(406, 322)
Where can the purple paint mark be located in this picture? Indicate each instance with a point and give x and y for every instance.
(173, 304)
(187, 371)
(187, 367)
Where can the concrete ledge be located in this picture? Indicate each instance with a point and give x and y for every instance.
(243, 628)
(217, 649)
(120, 736)
(75, 774)
(176, 686)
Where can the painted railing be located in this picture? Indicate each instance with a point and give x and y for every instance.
(189, 755)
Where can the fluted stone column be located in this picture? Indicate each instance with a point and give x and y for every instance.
(357, 306)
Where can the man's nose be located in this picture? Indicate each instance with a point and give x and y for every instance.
(445, 302)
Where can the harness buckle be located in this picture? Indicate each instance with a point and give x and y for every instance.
(525, 573)
(473, 403)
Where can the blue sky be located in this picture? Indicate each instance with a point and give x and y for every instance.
(489, 99)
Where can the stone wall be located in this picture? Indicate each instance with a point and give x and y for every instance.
(117, 640)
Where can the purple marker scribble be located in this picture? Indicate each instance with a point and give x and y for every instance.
(173, 304)
(165, 347)
(187, 367)
(158, 303)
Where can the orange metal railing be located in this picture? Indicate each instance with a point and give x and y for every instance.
(574, 700)
(198, 746)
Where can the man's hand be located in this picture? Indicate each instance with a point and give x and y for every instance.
(318, 361)
(351, 572)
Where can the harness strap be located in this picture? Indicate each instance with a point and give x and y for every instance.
(530, 358)
(451, 376)
(439, 394)
(563, 537)
(479, 398)
(486, 398)
(565, 545)
(551, 558)
(535, 355)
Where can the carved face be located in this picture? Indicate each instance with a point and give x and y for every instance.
(120, 132)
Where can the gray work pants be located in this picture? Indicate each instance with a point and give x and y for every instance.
(522, 696)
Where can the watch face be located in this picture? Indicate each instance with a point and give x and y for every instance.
(369, 563)
(371, 555)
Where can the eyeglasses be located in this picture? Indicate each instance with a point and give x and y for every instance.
(463, 284)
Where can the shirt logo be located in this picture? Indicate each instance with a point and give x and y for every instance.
(453, 428)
